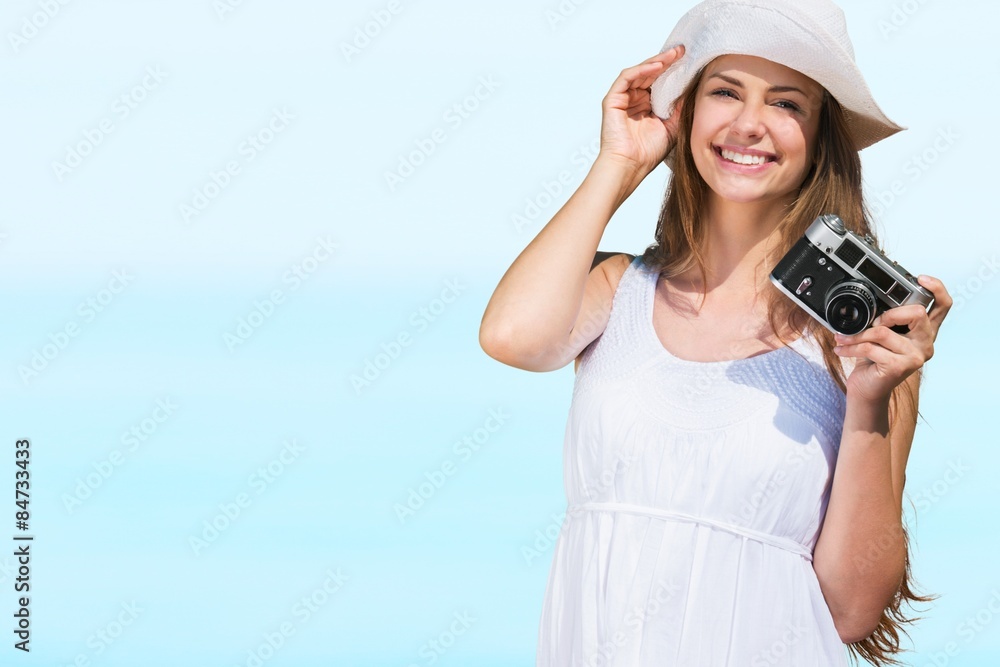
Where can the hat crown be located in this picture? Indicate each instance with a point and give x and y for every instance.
(827, 16)
(818, 17)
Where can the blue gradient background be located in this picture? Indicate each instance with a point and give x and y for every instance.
(331, 507)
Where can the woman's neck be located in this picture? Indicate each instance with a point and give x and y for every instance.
(737, 237)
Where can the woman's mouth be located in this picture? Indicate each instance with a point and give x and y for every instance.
(744, 161)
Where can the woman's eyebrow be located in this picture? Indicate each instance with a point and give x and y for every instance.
(772, 89)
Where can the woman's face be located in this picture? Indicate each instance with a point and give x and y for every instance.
(748, 109)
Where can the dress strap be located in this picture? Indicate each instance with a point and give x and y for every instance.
(766, 538)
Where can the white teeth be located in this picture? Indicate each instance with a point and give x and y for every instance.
(739, 158)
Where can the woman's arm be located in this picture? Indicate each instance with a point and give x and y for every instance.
(859, 557)
(529, 320)
(538, 318)
(860, 554)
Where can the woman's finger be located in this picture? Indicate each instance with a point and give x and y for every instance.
(942, 299)
(910, 316)
(643, 74)
(626, 80)
(642, 102)
(880, 335)
(668, 58)
(638, 110)
(871, 351)
(673, 52)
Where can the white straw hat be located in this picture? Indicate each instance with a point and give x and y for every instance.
(809, 36)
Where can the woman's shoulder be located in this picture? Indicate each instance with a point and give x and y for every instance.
(620, 260)
(614, 265)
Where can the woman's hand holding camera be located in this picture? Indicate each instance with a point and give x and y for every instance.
(886, 358)
(631, 133)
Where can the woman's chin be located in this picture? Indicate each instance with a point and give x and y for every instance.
(748, 193)
(741, 195)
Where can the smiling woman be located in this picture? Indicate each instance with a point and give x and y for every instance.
(766, 458)
(745, 109)
(755, 118)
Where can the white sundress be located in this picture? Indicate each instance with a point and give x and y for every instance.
(696, 492)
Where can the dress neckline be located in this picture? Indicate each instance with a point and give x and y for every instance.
(650, 330)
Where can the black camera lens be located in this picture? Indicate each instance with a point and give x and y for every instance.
(850, 307)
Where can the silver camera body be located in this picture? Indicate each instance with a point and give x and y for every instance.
(844, 281)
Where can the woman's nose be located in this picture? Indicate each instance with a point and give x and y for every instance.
(749, 121)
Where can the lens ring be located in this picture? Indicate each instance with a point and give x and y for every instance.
(850, 307)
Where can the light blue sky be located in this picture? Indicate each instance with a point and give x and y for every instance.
(133, 306)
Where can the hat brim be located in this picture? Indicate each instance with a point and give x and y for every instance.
(722, 27)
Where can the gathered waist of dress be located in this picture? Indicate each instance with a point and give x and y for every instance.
(785, 543)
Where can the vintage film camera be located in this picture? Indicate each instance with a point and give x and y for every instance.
(843, 280)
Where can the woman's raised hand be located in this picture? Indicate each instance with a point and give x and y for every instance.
(886, 358)
(630, 131)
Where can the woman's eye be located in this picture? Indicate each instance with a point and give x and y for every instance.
(784, 104)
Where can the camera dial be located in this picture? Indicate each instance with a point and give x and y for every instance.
(835, 224)
(850, 307)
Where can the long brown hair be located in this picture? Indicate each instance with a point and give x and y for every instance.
(832, 185)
